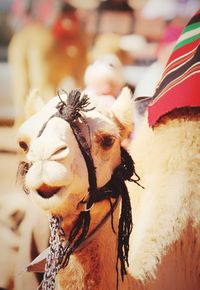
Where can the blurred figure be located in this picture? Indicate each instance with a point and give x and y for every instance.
(108, 43)
(152, 18)
(115, 17)
(104, 78)
(42, 58)
(25, 11)
(169, 9)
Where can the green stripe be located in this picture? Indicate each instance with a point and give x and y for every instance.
(191, 27)
(186, 41)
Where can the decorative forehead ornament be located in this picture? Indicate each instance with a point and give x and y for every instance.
(61, 248)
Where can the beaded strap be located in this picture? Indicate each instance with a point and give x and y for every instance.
(56, 246)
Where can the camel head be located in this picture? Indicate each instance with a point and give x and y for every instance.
(56, 173)
(74, 160)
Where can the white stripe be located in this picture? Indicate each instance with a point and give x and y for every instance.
(189, 34)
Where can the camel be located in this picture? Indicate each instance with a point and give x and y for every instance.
(148, 234)
(166, 227)
(107, 132)
(39, 59)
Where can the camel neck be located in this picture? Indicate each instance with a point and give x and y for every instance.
(87, 265)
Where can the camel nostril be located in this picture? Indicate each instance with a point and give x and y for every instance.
(60, 152)
(47, 191)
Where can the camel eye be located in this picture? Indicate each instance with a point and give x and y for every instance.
(107, 141)
(23, 145)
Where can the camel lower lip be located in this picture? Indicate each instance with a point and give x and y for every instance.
(47, 191)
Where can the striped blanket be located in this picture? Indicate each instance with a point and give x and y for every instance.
(180, 82)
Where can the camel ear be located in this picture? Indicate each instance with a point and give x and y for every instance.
(123, 112)
(34, 103)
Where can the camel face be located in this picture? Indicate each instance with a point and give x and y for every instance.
(57, 177)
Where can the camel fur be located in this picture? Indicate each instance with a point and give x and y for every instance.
(165, 244)
(165, 240)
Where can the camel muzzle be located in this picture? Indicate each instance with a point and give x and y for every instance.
(47, 191)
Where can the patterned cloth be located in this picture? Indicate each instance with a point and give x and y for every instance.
(180, 82)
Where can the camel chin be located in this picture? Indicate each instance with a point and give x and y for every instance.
(60, 203)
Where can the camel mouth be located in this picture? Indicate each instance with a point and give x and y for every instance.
(47, 191)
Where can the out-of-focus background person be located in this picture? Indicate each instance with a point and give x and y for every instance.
(50, 45)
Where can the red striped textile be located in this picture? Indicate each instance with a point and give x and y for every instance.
(180, 82)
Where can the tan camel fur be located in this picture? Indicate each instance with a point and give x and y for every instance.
(165, 244)
(165, 241)
(40, 61)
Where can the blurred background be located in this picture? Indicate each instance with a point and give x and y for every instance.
(97, 46)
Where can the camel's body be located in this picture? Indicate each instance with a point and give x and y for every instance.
(39, 60)
(165, 243)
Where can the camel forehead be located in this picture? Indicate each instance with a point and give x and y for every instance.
(100, 122)
(31, 127)
(95, 120)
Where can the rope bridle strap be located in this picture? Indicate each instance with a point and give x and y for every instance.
(72, 112)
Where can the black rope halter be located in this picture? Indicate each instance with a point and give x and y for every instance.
(72, 111)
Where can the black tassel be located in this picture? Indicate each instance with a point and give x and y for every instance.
(124, 230)
(74, 105)
(75, 237)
